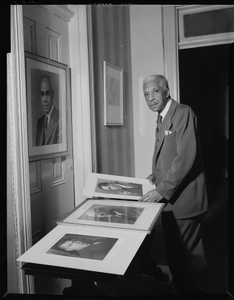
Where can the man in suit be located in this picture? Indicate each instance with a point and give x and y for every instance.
(48, 125)
(93, 249)
(178, 176)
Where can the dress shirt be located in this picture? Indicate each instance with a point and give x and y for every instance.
(165, 110)
(49, 115)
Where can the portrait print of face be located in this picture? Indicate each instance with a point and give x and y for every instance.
(112, 214)
(118, 187)
(83, 246)
(44, 101)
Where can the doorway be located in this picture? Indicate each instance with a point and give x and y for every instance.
(204, 82)
(204, 85)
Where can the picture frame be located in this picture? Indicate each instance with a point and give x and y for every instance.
(127, 188)
(113, 95)
(114, 214)
(41, 100)
(115, 261)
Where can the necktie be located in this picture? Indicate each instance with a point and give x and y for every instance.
(45, 129)
(46, 123)
(159, 122)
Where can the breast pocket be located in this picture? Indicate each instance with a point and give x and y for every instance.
(169, 145)
(170, 137)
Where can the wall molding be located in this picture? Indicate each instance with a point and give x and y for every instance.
(19, 142)
(61, 11)
(80, 89)
(170, 42)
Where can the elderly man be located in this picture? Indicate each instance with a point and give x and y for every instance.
(178, 176)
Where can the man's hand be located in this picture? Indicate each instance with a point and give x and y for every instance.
(151, 179)
(151, 196)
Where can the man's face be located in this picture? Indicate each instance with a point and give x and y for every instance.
(46, 95)
(73, 245)
(155, 95)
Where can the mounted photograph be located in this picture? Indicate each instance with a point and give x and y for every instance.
(86, 248)
(114, 214)
(118, 187)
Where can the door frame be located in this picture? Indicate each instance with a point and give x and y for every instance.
(81, 103)
(171, 44)
(18, 128)
(19, 147)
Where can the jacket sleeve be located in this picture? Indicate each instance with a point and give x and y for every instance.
(185, 124)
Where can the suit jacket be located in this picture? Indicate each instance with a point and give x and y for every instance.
(53, 130)
(177, 163)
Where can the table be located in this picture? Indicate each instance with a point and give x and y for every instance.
(76, 275)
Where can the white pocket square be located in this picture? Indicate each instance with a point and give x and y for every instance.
(167, 132)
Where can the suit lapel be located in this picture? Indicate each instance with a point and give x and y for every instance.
(50, 127)
(49, 130)
(166, 125)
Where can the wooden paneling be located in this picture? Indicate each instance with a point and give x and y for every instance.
(35, 177)
(53, 44)
(59, 174)
(29, 35)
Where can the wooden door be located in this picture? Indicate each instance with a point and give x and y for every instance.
(51, 180)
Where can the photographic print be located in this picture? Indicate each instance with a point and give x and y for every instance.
(112, 214)
(83, 246)
(113, 94)
(115, 214)
(48, 101)
(110, 257)
(117, 187)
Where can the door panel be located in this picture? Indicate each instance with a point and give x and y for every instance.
(51, 180)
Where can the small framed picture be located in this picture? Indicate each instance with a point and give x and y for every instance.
(113, 95)
(48, 104)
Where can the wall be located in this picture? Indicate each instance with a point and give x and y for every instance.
(111, 43)
(147, 59)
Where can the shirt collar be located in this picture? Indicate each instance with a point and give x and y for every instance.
(166, 108)
(49, 114)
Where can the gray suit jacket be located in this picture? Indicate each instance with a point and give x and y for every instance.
(177, 164)
(53, 130)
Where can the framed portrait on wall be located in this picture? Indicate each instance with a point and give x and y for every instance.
(48, 104)
(113, 95)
